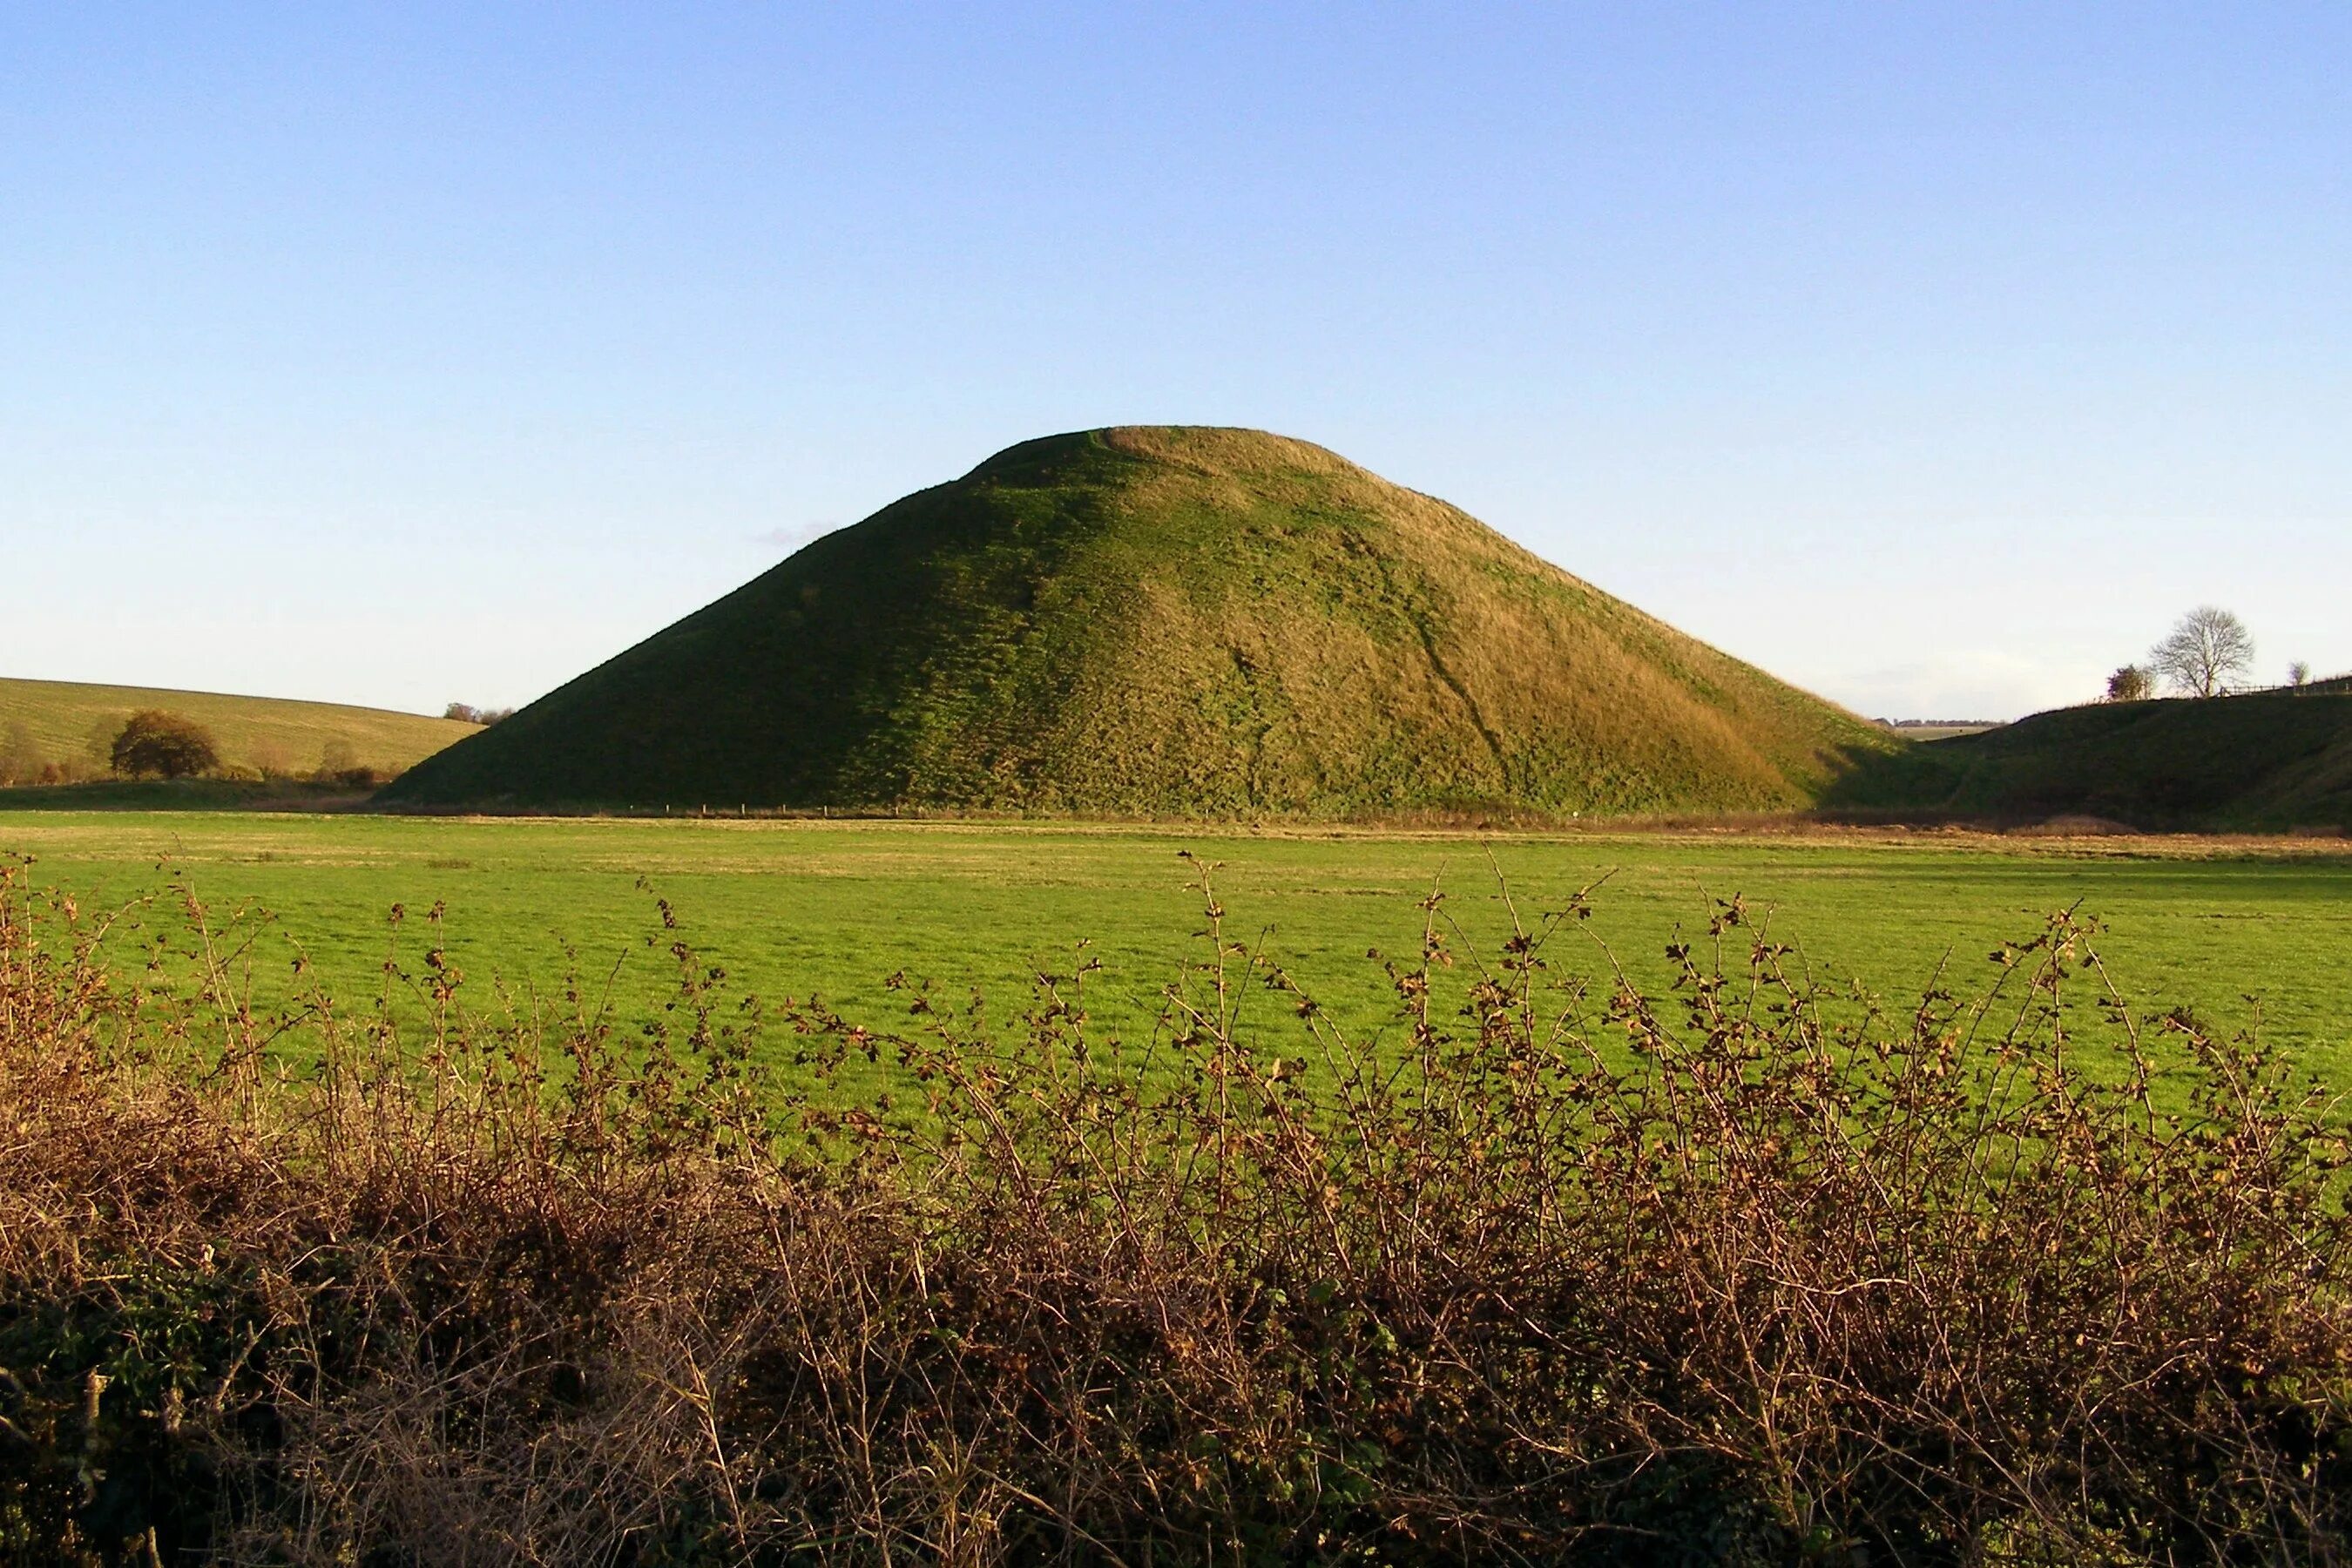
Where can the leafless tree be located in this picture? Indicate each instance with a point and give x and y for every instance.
(468, 713)
(2298, 675)
(2207, 653)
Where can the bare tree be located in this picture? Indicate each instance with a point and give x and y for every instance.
(2207, 653)
(468, 713)
(2298, 675)
(2130, 684)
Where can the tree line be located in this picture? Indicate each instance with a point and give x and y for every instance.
(2208, 653)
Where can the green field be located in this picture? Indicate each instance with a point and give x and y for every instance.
(73, 724)
(835, 908)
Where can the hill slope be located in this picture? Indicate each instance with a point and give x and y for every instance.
(1164, 621)
(2260, 763)
(69, 723)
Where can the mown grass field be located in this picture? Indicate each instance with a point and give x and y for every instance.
(835, 908)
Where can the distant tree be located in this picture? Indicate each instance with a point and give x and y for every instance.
(153, 744)
(2298, 675)
(2130, 684)
(465, 712)
(2207, 653)
(337, 758)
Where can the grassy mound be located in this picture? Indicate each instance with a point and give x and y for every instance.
(71, 724)
(2268, 762)
(1164, 622)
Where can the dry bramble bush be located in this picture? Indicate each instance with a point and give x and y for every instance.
(1746, 1273)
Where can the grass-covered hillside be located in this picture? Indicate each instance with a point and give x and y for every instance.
(71, 725)
(2268, 762)
(1165, 622)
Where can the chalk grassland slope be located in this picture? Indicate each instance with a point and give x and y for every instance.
(71, 721)
(1165, 622)
(2267, 762)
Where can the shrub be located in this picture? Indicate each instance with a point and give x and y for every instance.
(2130, 684)
(20, 756)
(340, 766)
(1745, 1273)
(153, 744)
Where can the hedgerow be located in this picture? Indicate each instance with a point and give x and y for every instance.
(1553, 1271)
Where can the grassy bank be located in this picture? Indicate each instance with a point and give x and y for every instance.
(185, 795)
(2266, 762)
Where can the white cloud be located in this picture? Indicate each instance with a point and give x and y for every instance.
(790, 538)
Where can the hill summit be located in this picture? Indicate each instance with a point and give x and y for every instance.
(1158, 621)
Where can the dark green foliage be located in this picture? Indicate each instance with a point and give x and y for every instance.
(108, 1395)
(1161, 622)
(2263, 763)
(213, 795)
(157, 744)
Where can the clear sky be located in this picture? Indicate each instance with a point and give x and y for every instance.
(1933, 356)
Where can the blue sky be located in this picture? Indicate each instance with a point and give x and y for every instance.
(1934, 357)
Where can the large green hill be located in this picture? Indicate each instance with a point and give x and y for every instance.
(71, 724)
(2267, 762)
(1164, 622)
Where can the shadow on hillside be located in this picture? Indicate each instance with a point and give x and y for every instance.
(184, 795)
(2261, 762)
(1914, 785)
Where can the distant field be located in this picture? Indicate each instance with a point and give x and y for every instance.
(1938, 732)
(795, 907)
(67, 721)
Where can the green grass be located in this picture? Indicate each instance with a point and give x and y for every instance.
(67, 721)
(799, 907)
(1153, 622)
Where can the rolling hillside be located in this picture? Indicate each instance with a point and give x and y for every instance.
(69, 723)
(1164, 622)
(2268, 762)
